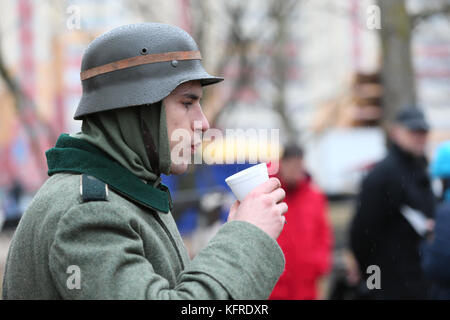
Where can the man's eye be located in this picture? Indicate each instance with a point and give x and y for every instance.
(187, 104)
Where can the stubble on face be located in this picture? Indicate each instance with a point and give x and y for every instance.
(182, 109)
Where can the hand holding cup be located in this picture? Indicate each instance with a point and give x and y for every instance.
(262, 205)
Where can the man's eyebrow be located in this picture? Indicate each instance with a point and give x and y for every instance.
(191, 96)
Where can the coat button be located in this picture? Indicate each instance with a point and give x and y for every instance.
(174, 63)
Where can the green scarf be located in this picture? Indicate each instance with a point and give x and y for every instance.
(118, 133)
(111, 148)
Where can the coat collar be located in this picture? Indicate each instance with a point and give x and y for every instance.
(79, 156)
(407, 157)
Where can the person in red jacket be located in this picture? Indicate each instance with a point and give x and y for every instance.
(306, 239)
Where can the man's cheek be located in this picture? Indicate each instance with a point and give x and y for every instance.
(180, 142)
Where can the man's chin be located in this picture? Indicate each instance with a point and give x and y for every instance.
(416, 152)
(178, 168)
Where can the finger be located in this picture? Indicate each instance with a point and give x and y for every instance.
(278, 195)
(234, 206)
(282, 207)
(233, 209)
(268, 186)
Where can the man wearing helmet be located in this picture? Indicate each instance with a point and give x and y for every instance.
(100, 227)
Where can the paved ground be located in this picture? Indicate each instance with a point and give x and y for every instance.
(340, 214)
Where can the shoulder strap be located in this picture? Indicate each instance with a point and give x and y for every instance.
(92, 189)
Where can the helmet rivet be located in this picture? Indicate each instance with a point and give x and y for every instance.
(144, 51)
(174, 63)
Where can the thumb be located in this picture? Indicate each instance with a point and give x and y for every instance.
(233, 209)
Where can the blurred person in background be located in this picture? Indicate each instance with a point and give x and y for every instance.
(307, 239)
(436, 251)
(394, 211)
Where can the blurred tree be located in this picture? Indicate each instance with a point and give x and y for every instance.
(244, 47)
(282, 13)
(397, 70)
(255, 51)
(237, 49)
(25, 107)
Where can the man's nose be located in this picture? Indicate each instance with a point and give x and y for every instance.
(201, 121)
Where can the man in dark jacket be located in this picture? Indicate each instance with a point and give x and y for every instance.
(394, 211)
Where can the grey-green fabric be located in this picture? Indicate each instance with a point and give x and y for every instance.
(79, 156)
(124, 250)
(118, 134)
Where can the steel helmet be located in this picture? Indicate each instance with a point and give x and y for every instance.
(138, 64)
(440, 167)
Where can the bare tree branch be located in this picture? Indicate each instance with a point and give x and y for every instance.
(281, 12)
(144, 8)
(22, 101)
(431, 12)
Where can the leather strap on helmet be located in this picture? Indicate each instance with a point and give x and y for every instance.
(140, 60)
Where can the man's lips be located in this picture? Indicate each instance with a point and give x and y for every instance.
(195, 146)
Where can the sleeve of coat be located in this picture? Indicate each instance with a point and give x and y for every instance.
(108, 253)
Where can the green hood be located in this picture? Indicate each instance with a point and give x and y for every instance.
(119, 133)
(111, 148)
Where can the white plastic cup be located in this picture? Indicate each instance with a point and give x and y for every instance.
(244, 181)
